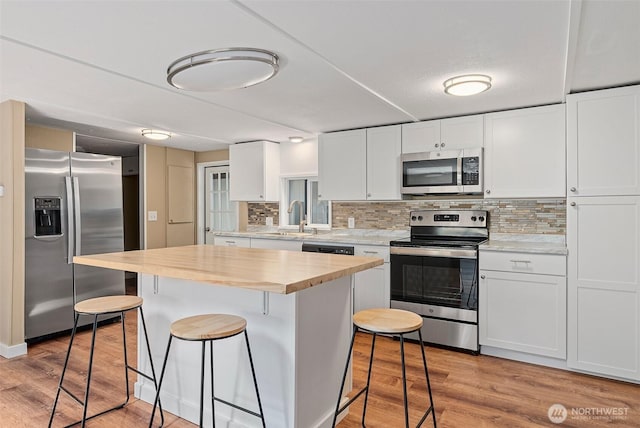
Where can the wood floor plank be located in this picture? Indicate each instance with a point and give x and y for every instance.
(469, 391)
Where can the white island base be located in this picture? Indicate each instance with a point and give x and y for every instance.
(299, 342)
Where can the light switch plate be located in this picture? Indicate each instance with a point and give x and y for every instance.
(269, 221)
(153, 215)
(351, 222)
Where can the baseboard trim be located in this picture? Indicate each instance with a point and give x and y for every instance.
(13, 351)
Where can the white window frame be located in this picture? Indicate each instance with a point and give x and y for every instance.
(284, 204)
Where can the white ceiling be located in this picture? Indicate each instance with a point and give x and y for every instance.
(99, 67)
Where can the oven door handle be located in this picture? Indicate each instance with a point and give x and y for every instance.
(455, 253)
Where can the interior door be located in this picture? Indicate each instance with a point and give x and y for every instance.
(220, 212)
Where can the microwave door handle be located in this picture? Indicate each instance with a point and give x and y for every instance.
(459, 171)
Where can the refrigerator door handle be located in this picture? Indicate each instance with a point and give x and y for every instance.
(70, 228)
(76, 205)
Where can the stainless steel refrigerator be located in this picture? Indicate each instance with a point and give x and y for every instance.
(73, 207)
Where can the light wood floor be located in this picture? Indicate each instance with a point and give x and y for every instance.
(469, 391)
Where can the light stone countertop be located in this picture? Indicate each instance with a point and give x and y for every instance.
(336, 236)
(537, 244)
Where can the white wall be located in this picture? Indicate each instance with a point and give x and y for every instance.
(299, 158)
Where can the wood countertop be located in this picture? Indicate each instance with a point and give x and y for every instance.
(276, 271)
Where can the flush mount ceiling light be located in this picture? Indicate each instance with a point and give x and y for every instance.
(153, 134)
(469, 84)
(296, 139)
(222, 69)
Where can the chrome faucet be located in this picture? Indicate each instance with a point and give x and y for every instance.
(303, 219)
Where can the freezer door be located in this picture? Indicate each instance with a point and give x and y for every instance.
(98, 222)
(48, 270)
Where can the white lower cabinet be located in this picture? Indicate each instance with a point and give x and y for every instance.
(603, 238)
(276, 244)
(523, 302)
(372, 287)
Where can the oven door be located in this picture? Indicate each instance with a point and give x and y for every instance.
(435, 277)
(432, 172)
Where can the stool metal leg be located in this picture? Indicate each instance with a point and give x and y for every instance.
(404, 382)
(255, 381)
(344, 377)
(64, 369)
(126, 361)
(431, 408)
(204, 348)
(153, 371)
(86, 394)
(366, 395)
(213, 399)
(164, 366)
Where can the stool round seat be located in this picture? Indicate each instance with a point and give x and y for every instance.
(383, 320)
(108, 304)
(209, 326)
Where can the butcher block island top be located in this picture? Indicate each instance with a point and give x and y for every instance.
(276, 271)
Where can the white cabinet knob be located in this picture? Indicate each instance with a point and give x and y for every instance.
(436, 145)
(441, 144)
(482, 277)
(487, 191)
(573, 204)
(573, 189)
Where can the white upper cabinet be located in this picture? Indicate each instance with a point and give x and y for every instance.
(603, 138)
(342, 165)
(446, 134)
(524, 155)
(383, 163)
(254, 171)
(360, 164)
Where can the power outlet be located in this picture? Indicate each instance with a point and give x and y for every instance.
(153, 216)
(351, 222)
(269, 221)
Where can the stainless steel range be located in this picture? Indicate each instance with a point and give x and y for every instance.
(434, 273)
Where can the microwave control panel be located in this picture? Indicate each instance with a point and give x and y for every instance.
(470, 170)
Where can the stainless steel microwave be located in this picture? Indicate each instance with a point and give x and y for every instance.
(455, 171)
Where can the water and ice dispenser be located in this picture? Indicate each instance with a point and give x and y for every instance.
(47, 216)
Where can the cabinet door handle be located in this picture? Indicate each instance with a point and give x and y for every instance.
(368, 195)
(573, 204)
(370, 252)
(487, 191)
(520, 261)
(261, 197)
(436, 145)
(573, 189)
(207, 229)
(441, 144)
(231, 242)
(482, 277)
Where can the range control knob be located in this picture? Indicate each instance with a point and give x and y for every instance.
(481, 218)
(419, 218)
(473, 218)
(413, 218)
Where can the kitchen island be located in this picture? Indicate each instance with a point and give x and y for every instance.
(299, 320)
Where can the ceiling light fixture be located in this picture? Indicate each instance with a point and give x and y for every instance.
(296, 139)
(153, 134)
(222, 69)
(469, 84)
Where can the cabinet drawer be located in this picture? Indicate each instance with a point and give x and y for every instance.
(372, 251)
(232, 241)
(546, 264)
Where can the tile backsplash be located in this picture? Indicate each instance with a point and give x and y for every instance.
(522, 216)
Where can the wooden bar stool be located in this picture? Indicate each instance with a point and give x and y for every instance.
(104, 306)
(208, 328)
(386, 321)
